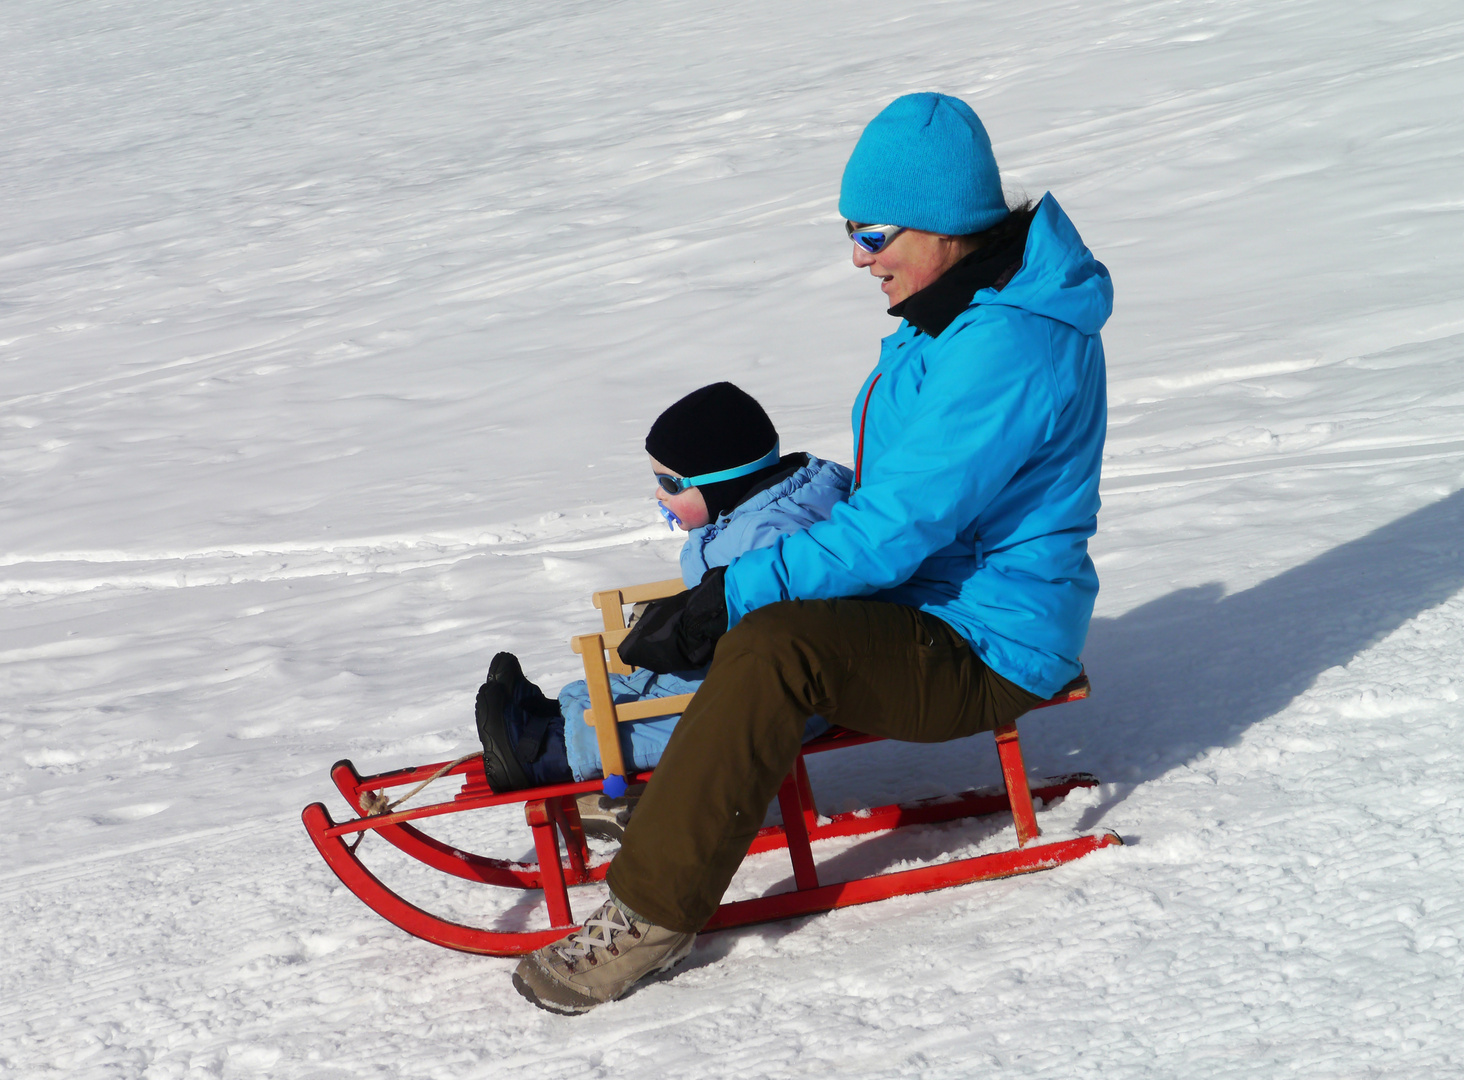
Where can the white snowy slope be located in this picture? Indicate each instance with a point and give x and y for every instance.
(329, 334)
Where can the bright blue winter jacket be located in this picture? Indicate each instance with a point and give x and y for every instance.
(794, 503)
(980, 459)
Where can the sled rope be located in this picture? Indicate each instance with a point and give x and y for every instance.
(374, 803)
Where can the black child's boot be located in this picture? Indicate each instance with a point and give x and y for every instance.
(522, 731)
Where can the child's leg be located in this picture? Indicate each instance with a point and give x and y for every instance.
(582, 750)
(641, 742)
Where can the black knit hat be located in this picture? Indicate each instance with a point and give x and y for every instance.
(717, 427)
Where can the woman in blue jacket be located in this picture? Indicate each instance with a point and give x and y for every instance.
(950, 594)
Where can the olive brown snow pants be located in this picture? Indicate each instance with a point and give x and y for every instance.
(874, 667)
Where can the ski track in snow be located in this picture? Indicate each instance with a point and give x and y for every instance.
(328, 339)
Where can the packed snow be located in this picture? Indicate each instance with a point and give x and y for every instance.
(329, 334)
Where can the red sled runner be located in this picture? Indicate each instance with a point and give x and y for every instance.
(563, 856)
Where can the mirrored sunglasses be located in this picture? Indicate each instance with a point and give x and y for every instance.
(872, 238)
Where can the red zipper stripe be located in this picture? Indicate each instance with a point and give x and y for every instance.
(863, 416)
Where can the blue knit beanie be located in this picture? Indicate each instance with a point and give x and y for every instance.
(925, 162)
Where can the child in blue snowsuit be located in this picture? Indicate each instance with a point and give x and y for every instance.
(720, 477)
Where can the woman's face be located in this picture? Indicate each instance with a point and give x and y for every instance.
(689, 506)
(911, 261)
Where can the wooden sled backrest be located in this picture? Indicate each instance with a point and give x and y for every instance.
(600, 659)
(611, 603)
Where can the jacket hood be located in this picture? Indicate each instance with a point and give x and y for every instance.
(1059, 278)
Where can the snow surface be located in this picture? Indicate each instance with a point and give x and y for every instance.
(328, 336)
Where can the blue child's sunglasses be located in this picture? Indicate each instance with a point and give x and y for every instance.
(872, 238)
(675, 485)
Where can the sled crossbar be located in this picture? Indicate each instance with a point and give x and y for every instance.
(563, 859)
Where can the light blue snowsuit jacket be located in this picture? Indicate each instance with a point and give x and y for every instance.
(795, 503)
(980, 462)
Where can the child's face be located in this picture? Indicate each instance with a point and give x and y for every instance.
(688, 506)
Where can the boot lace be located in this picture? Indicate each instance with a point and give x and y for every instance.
(599, 931)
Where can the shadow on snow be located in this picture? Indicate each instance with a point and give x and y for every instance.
(1194, 669)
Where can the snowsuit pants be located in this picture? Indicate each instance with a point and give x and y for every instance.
(874, 667)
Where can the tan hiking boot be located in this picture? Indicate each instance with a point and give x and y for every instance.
(603, 959)
(605, 818)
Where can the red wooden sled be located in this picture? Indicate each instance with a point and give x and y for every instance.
(564, 860)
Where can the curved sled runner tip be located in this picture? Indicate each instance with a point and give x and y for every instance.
(427, 849)
(391, 907)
